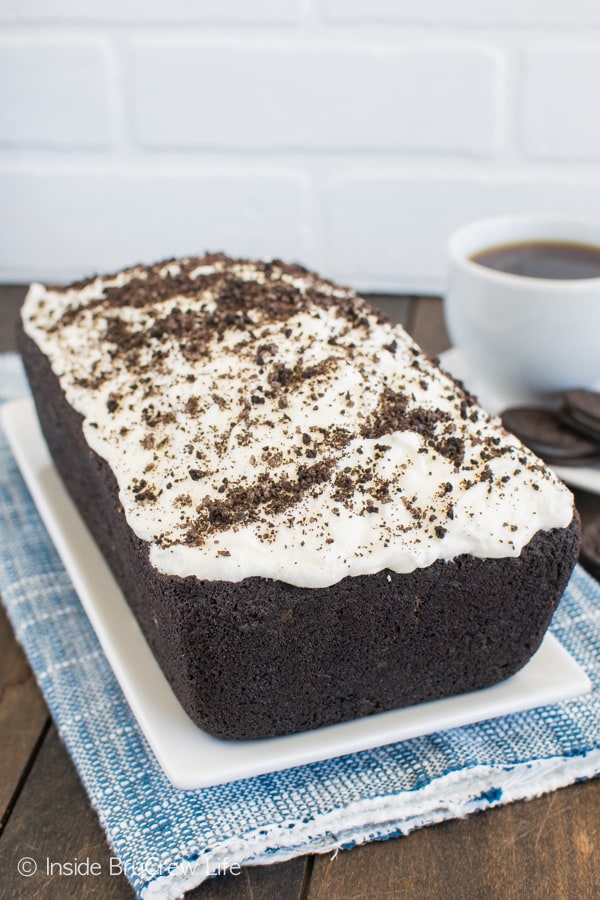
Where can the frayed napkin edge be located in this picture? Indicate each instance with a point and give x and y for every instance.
(444, 798)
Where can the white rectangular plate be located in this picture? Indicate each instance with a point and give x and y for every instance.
(190, 757)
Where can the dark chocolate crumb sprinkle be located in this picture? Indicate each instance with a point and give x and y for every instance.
(112, 404)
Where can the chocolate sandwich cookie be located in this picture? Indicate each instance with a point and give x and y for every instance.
(581, 412)
(543, 431)
(589, 555)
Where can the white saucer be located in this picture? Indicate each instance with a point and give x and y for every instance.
(190, 757)
(494, 400)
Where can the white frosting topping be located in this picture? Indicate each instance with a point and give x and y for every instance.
(262, 422)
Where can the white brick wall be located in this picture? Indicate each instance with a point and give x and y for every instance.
(540, 13)
(560, 106)
(151, 12)
(290, 96)
(351, 135)
(105, 220)
(55, 94)
(420, 209)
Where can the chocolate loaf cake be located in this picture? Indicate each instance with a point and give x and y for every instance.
(310, 520)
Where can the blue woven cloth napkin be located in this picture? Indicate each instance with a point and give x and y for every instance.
(169, 840)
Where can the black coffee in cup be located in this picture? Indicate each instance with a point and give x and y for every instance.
(543, 259)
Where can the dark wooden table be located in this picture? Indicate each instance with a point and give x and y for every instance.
(545, 848)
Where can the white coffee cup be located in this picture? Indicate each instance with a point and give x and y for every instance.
(523, 335)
